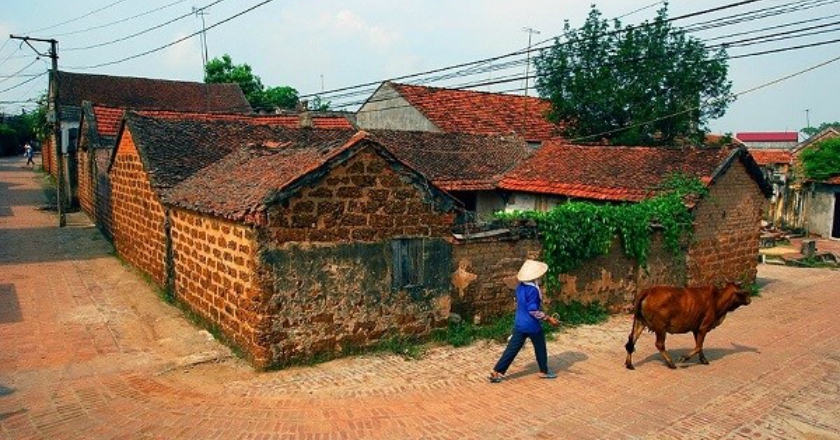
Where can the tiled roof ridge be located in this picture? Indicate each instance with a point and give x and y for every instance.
(483, 92)
(141, 78)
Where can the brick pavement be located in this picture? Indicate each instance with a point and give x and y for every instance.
(89, 351)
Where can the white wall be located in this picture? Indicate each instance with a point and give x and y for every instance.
(820, 216)
(387, 110)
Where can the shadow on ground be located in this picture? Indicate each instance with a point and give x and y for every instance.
(558, 363)
(712, 354)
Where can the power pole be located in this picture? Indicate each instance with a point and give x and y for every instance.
(808, 117)
(531, 32)
(59, 154)
(200, 12)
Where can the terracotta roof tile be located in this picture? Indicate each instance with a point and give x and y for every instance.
(768, 136)
(456, 161)
(176, 145)
(467, 111)
(148, 93)
(609, 173)
(764, 157)
(237, 186)
(833, 180)
(107, 120)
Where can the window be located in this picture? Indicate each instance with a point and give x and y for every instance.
(408, 263)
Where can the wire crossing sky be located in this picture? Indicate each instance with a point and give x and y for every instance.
(342, 50)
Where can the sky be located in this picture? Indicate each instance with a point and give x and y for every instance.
(322, 45)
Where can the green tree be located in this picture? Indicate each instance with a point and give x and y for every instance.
(821, 161)
(222, 70)
(644, 84)
(810, 131)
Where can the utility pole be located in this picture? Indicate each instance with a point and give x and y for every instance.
(808, 117)
(531, 32)
(200, 12)
(56, 115)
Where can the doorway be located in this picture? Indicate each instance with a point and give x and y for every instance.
(835, 228)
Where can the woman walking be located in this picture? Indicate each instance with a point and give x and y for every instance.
(526, 324)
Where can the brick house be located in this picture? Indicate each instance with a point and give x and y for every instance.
(467, 166)
(727, 221)
(129, 93)
(395, 106)
(773, 140)
(292, 242)
(99, 127)
(777, 167)
(811, 205)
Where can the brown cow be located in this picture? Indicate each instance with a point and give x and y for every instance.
(664, 309)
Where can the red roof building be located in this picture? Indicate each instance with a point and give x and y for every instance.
(769, 139)
(397, 106)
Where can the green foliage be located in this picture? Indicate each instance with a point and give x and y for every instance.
(465, 333)
(407, 347)
(821, 161)
(754, 289)
(623, 81)
(222, 70)
(575, 232)
(810, 131)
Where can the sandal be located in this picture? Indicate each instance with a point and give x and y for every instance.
(495, 378)
(548, 375)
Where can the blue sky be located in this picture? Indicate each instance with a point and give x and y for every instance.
(302, 43)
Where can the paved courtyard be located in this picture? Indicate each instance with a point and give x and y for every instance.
(88, 350)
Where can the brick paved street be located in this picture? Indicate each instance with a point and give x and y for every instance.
(88, 350)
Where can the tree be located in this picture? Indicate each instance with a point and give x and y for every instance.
(810, 131)
(644, 84)
(222, 70)
(821, 161)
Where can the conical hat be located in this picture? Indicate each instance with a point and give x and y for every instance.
(531, 270)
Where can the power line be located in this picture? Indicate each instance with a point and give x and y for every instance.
(22, 83)
(765, 38)
(77, 18)
(93, 28)
(15, 75)
(157, 49)
(523, 51)
(144, 31)
(730, 96)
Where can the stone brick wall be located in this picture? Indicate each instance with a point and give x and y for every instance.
(331, 256)
(138, 215)
(484, 272)
(102, 191)
(215, 275)
(48, 156)
(726, 230)
(87, 200)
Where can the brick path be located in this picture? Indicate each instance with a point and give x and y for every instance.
(88, 351)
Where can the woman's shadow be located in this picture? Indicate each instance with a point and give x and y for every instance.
(558, 362)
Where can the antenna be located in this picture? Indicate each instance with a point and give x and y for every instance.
(531, 32)
(201, 12)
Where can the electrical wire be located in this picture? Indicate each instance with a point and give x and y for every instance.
(22, 83)
(144, 31)
(77, 18)
(142, 14)
(15, 75)
(157, 49)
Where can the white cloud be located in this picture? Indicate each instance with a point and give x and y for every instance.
(347, 23)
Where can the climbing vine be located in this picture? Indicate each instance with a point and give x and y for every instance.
(575, 232)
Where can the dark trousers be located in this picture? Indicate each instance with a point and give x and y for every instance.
(517, 340)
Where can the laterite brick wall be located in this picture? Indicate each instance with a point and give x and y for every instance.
(138, 216)
(727, 229)
(87, 198)
(330, 255)
(215, 275)
(485, 270)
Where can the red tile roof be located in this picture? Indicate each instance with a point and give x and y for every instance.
(768, 136)
(107, 120)
(467, 111)
(237, 186)
(456, 161)
(148, 93)
(322, 121)
(618, 174)
(764, 157)
(833, 180)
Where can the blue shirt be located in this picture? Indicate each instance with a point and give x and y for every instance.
(528, 313)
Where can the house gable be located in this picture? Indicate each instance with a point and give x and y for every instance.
(387, 109)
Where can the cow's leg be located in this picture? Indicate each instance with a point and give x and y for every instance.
(660, 345)
(698, 348)
(635, 332)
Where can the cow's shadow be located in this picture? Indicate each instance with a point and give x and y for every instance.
(557, 363)
(712, 354)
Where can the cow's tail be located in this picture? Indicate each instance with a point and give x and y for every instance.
(630, 346)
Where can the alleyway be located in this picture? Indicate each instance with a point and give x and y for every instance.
(88, 350)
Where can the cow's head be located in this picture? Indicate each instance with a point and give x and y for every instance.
(737, 294)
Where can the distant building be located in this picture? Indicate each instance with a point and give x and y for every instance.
(784, 140)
